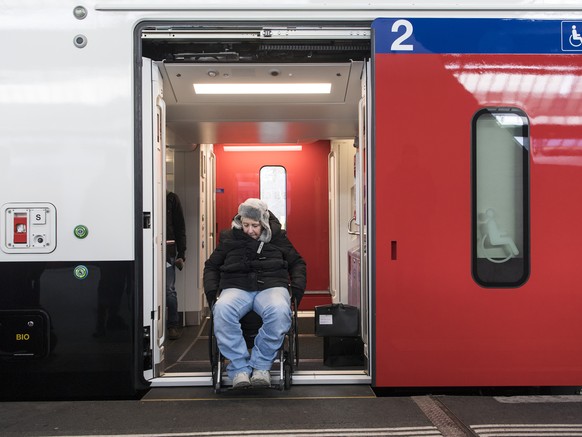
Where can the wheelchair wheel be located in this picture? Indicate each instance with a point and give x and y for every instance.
(294, 341)
(217, 374)
(215, 360)
(216, 377)
(287, 372)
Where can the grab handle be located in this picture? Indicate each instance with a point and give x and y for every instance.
(353, 219)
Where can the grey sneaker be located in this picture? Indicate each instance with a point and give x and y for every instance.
(241, 380)
(261, 378)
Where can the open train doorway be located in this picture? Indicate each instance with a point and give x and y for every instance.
(224, 120)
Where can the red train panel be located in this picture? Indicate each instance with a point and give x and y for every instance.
(434, 325)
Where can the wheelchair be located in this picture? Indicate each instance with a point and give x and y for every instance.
(287, 358)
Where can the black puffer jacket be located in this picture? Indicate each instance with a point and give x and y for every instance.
(175, 227)
(239, 261)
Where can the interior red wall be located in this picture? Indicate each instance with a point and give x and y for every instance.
(237, 178)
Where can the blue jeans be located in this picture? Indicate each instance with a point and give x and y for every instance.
(274, 307)
(171, 295)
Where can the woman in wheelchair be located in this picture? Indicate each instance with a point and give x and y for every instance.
(253, 265)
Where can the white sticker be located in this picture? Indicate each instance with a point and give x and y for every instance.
(326, 319)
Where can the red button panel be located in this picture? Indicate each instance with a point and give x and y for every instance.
(20, 229)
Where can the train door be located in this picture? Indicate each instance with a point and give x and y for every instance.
(207, 215)
(292, 136)
(195, 182)
(477, 139)
(154, 207)
(361, 208)
(349, 215)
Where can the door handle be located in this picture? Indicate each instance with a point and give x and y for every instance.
(352, 220)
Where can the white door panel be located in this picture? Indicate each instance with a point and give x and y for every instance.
(154, 207)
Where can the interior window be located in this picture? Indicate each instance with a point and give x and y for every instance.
(273, 188)
(500, 193)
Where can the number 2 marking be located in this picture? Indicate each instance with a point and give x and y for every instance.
(397, 44)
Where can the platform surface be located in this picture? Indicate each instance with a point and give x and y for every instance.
(302, 411)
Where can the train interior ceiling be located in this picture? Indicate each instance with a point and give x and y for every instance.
(250, 118)
(326, 129)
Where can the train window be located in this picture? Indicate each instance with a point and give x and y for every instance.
(500, 197)
(273, 188)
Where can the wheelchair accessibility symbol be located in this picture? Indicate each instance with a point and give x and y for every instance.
(571, 37)
(575, 38)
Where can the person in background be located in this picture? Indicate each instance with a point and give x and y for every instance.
(253, 266)
(175, 257)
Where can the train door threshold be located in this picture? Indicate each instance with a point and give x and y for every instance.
(354, 377)
(320, 391)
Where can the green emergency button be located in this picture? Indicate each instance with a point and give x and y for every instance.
(81, 231)
(81, 272)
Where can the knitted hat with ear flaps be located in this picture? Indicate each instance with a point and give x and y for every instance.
(257, 210)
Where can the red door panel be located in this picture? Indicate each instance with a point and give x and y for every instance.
(237, 178)
(434, 325)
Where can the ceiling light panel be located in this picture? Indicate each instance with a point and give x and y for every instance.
(290, 79)
(263, 148)
(262, 88)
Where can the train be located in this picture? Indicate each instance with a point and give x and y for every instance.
(424, 158)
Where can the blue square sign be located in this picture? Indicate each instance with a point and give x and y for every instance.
(572, 36)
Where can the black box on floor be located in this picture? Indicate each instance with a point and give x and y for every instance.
(343, 351)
